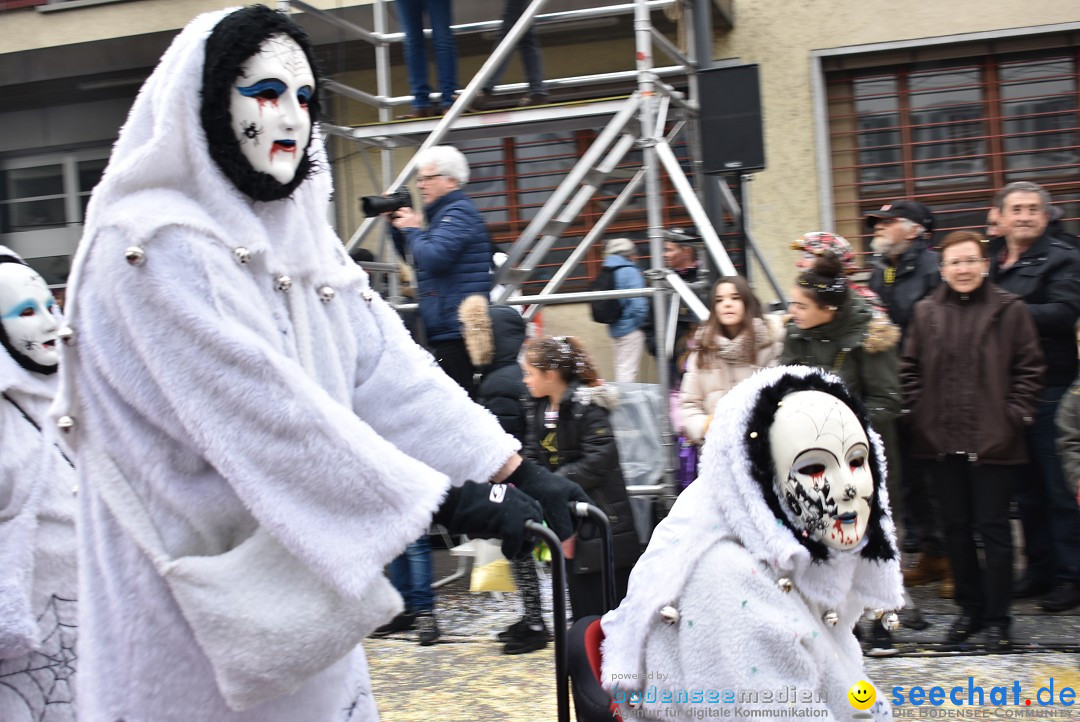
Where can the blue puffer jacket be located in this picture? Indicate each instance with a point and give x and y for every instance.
(452, 259)
(634, 310)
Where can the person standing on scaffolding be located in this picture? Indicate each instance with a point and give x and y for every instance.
(529, 48)
(411, 17)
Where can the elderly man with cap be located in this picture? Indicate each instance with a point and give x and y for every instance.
(905, 270)
(628, 339)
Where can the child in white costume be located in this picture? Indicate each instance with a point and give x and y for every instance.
(235, 384)
(38, 578)
(754, 581)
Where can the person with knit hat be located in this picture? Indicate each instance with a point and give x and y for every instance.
(815, 244)
(627, 336)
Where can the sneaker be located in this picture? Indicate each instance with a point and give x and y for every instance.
(1064, 597)
(402, 622)
(526, 640)
(513, 631)
(881, 642)
(926, 569)
(428, 629)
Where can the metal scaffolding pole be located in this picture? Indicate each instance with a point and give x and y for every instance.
(502, 50)
(650, 115)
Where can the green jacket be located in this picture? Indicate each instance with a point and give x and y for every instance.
(858, 346)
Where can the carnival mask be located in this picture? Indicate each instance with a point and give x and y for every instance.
(28, 318)
(823, 475)
(269, 108)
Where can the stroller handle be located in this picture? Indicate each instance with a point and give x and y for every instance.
(558, 603)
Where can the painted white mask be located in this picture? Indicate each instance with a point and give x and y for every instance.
(822, 459)
(27, 314)
(269, 107)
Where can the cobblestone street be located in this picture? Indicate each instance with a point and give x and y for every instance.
(466, 678)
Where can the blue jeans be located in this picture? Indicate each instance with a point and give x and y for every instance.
(1049, 512)
(528, 46)
(411, 17)
(411, 574)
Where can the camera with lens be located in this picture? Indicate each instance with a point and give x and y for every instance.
(374, 205)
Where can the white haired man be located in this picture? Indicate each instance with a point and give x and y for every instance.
(452, 257)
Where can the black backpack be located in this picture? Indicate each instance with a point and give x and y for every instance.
(607, 310)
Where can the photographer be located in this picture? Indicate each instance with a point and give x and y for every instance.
(452, 257)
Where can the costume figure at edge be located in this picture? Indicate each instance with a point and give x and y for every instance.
(758, 574)
(970, 373)
(38, 577)
(234, 387)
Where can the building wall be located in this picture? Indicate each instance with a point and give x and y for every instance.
(30, 30)
(780, 35)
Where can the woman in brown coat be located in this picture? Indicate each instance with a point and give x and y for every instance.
(969, 377)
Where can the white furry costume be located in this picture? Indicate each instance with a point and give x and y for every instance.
(717, 559)
(38, 578)
(230, 397)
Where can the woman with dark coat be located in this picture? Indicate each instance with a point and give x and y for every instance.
(568, 430)
(970, 377)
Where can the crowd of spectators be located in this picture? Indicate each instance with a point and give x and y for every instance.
(961, 350)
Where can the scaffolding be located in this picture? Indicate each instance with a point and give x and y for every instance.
(638, 122)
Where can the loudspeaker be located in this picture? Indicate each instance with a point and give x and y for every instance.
(732, 137)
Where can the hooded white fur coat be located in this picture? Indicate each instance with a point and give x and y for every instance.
(38, 578)
(717, 559)
(228, 401)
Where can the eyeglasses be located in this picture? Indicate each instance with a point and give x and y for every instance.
(966, 262)
(426, 178)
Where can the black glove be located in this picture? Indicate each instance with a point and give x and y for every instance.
(554, 493)
(488, 511)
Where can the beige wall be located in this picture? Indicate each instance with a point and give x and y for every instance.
(28, 29)
(781, 34)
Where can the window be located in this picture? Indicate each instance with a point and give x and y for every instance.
(512, 178)
(951, 133)
(43, 192)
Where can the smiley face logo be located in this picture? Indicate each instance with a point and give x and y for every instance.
(862, 695)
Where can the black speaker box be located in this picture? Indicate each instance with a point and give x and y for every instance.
(732, 137)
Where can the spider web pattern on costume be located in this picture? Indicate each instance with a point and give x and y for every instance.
(45, 679)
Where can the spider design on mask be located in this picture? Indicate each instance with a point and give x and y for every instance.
(289, 54)
(252, 131)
